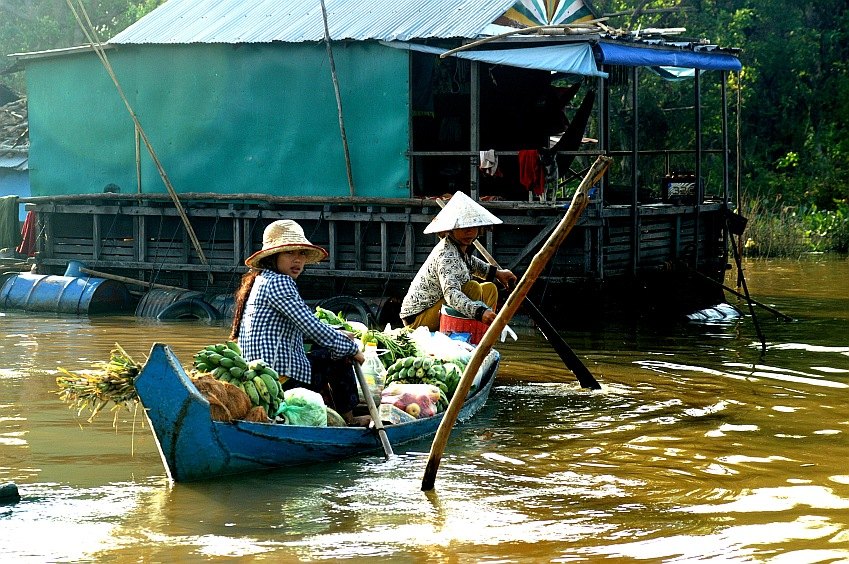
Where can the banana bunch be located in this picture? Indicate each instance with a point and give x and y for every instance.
(426, 370)
(258, 380)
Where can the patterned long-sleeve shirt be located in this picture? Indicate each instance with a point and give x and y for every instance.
(442, 275)
(275, 321)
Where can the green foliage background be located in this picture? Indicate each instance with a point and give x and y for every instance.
(793, 104)
(37, 25)
(793, 90)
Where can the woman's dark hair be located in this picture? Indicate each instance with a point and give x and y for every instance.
(244, 290)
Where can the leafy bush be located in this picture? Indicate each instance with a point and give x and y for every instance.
(827, 230)
(787, 231)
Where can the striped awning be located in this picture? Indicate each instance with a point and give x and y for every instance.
(547, 12)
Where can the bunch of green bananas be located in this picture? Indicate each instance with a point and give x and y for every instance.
(258, 380)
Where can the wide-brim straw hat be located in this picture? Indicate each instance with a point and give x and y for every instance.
(285, 235)
(461, 212)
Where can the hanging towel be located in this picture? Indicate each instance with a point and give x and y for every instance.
(27, 246)
(531, 174)
(10, 235)
(489, 163)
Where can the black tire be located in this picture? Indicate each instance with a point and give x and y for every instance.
(352, 308)
(189, 309)
(157, 299)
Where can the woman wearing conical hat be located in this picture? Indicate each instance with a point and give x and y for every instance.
(451, 274)
(271, 320)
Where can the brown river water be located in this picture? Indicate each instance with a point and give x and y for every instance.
(699, 448)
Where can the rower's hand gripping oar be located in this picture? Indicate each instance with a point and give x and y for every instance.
(372, 410)
(566, 354)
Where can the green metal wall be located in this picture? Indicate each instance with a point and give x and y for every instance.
(222, 118)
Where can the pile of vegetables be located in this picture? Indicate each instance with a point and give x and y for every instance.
(426, 370)
(110, 382)
(412, 361)
(393, 344)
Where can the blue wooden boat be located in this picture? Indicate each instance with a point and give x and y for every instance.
(195, 447)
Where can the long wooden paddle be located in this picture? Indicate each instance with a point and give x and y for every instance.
(566, 354)
(514, 300)
(372, 410)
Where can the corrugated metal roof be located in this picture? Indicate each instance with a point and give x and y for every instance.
(14, 162)
(294, 21)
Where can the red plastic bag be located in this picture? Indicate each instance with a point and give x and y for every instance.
(418, 400)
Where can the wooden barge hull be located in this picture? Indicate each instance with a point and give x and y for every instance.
(377, 245)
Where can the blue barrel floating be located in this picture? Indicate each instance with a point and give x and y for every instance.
(64, 294)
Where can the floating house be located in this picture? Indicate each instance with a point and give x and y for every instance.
(161, 154)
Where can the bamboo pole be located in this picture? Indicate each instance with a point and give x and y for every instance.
(134, 281)
(538, 263)
(338, 101)
(101, 54)
(524, 31)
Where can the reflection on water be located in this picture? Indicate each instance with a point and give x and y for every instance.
(697, 448)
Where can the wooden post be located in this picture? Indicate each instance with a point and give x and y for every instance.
(538, 263)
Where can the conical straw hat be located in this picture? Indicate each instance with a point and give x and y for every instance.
(459, 213)
(285, 235)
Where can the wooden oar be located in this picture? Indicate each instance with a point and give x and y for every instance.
(514, 300)
(567, 355)
(372, 410)
(570, 359)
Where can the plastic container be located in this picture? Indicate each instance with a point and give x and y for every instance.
(65, 294)
(452, 322)
(374, 372)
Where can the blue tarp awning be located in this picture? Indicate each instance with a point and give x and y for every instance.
(574, 58)
(633, 56)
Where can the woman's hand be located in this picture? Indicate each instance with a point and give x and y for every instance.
(506, 277)
(360, 358)
(488, 316)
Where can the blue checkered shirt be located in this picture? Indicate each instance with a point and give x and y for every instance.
(274, 323)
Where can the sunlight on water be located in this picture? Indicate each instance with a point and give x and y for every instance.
(697, 448)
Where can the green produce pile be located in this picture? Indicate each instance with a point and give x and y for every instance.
(396, 344)
(427, 370)
(112, 382)
(333, 319)
(259, 381)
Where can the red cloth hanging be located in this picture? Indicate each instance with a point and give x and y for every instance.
(27, 246)
(531, 173)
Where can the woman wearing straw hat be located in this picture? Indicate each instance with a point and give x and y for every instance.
(271, 320)
(446, 277)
